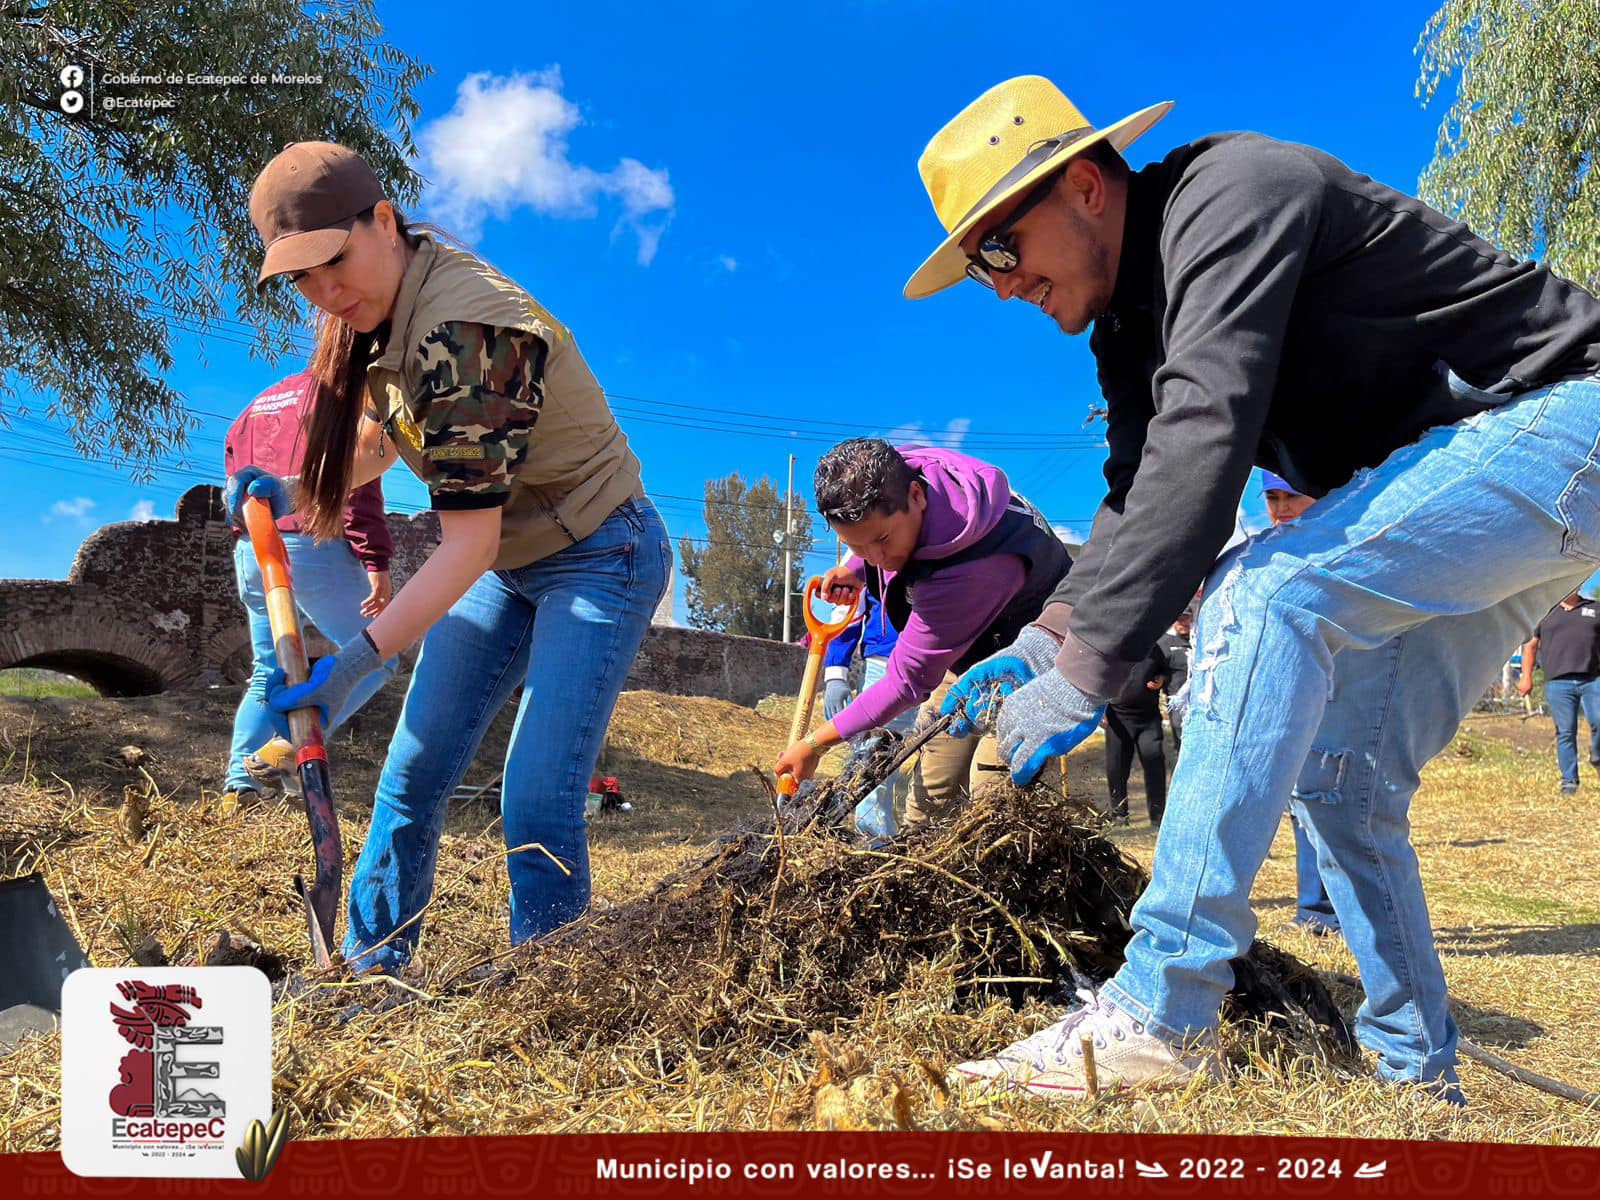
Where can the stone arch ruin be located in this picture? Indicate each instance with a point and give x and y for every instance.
(152, 605)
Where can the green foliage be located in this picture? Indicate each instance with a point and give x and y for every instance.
(30, 684)
(1516, 153)
(119, 227)
(735, 574)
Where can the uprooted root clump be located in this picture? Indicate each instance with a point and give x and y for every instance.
(767, 936)
(765, 943)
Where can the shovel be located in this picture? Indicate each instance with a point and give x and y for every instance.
(322, 898)
(822, 633)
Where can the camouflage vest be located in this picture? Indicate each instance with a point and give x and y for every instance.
(578, 466)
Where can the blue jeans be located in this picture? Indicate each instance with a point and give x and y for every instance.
(1565, 697)
(565, 629)
(1313, 908)
(329, 586)
(875, 814)
(1341, 652)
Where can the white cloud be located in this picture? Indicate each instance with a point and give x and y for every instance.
(910, 434)
(145, 510)
(729, 263)
(913, 433)
(76, 509)
(504, 147)
(1071, 534)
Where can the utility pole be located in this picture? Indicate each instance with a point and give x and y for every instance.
(788, 549)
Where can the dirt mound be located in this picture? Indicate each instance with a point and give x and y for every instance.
(1016, 895)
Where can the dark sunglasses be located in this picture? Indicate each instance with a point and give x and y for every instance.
(997, 252)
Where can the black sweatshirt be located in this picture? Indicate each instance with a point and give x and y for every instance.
(1274, 308)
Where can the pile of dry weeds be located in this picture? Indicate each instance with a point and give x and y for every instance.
(791, 937)
(769, 935)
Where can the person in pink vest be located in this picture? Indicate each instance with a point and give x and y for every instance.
(339, 584)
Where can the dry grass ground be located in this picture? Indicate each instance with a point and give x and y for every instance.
(1512, 868)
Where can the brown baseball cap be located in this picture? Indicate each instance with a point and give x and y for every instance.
(305, 203)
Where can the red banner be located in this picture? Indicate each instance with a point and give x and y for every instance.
(877, 1164)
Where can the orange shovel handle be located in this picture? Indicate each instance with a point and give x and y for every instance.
(822, 633)
(826, 631)
(287, 640)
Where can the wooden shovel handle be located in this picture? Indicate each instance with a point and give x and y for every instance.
(822, 633)
(282, 614)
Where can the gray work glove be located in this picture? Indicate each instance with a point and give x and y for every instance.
(1178, 702)
(836, 698)
(977, 693)
(1043, 720)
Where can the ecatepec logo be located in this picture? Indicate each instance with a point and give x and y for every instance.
(163, 1069)
(157, 1080)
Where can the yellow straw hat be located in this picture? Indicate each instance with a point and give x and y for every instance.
(1008, 138)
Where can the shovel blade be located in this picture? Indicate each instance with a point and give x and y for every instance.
(323, 896)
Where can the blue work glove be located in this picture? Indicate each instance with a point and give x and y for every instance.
(978, 693)
(835, 698)
(262, 484)
(333, 678)
(1043, 720)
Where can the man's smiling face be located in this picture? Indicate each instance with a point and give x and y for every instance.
(1067, 247)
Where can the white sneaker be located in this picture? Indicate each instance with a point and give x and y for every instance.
(1126, 1054)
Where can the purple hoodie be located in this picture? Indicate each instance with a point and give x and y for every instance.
(966, 499)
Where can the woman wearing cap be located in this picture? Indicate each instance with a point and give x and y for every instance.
(550, 561)
(1313, 907)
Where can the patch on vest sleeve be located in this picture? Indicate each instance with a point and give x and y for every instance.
(455, 453)
(405, 427)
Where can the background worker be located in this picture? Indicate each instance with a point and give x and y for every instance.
(875, 638)
(1174, 645)
(961, 566)
(1133, 725)
(1313, 908)
(1567, 641)
(339, 584)
(550, 561)
(1258, 302)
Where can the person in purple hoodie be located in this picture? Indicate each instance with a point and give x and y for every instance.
(962, 566)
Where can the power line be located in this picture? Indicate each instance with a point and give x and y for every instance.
(1030, 438)
(243, 334)
(62, 451)
(738, 422)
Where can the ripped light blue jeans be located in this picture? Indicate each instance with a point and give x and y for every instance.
(1335, 656)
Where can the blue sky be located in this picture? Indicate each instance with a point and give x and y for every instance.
(721, 200)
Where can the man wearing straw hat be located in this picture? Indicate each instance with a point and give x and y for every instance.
(1259, 303)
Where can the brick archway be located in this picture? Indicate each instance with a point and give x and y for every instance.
(58, 627)
(108, 674)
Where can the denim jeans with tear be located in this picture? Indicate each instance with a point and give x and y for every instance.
(566, 629)
(1350, 644)
(329, 586)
